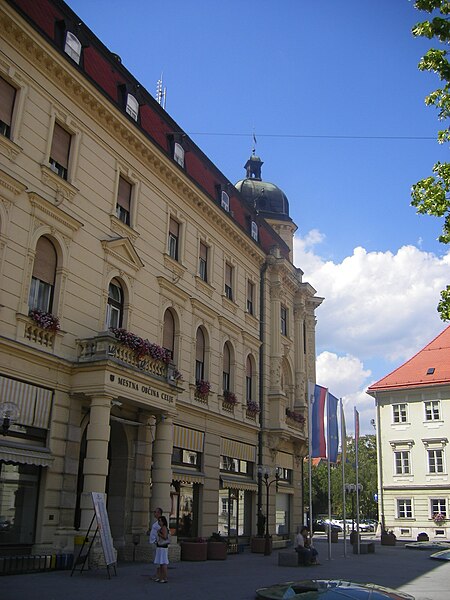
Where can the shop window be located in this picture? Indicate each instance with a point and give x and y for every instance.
(114, 311)
(72, 47)
(200, 355)
(183, 517)
(43, 278)
(123, 205)
(169, 333)
(19, 485)
(60, 150)
(282, 512)
(7, 99)
(174, 239)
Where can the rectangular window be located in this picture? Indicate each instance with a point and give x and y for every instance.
(123, 206)
(236, 465)
(254, 231)
(41, 295)
(59, 153)
(178, 154)
(132, 107)
(399, 413)
(199, 370)
(174, 238)
(438, 506)
(436, 461)
(7, 97)
(225, 201)
(203, 262)
(228, 281)
(404, 508)
(226, 381)
(188, 458)
(72, 47)
(432, 412)
(402, 462)
(250, 297)
(284, 320)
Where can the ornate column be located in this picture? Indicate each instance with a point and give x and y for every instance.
(299, 354)
(95, 466)
(275, 337)
(162, 464)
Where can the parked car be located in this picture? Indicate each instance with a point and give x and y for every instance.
(324, 525)
(371, 523)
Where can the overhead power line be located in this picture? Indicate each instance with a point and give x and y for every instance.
(302, 135)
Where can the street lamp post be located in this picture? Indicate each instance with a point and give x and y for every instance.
(265, 478)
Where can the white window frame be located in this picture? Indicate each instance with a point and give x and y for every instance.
(225, 201)
(132, 107)
(72, 47)
(254, 231)
(402, 413)
(404, 505)
(431, 407)
(441, 506)
(405, 462)
(439, 463)
(178, 154)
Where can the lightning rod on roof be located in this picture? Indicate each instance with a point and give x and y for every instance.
(161, 92)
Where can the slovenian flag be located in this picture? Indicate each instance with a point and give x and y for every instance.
(318, 445)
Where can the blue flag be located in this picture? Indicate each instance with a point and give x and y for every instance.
(333, 434)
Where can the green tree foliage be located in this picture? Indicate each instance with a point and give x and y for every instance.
(367, 455)
(430, 196)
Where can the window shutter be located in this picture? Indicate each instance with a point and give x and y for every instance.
(200, 346)
(44, 267)
(60, 146)
(226, 359)
(124, 194)
(249, 367)
(169, 331)
(7, 95)
(203, 252)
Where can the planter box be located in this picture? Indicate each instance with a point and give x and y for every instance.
(388, 539)
(258, 544)
(194, 551)
(217, 551)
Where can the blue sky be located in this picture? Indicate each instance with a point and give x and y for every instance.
(334, 96)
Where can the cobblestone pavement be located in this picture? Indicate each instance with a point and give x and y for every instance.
(238, 577)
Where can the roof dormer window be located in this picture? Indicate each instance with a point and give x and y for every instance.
(225, 201)
(254, 231)
(132, 107)
(178, 154)
(72, 47)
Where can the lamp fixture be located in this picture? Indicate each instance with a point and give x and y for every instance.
(9, 412)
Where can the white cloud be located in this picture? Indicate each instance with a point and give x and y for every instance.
(378, 306)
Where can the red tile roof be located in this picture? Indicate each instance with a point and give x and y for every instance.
(430, 366)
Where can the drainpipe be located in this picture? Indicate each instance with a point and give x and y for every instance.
(262, 324)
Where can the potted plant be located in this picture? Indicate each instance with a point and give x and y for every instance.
(217, 547)
(44, 319)
(229, 398)
(194, 549)
(252, 407)
(202, 389)
(439, 518)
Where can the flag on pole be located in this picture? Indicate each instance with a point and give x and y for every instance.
(343, 435)
(332, 427)
(318, 444)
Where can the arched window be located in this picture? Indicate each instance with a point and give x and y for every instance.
(226, 367)
(200, 355)
(169, 332)
(249, 379)
(114, 310)
(43, 278)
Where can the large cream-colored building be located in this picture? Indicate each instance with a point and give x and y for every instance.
(156, 339)
(413, 412)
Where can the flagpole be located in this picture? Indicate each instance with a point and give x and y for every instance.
(310, 397)
(329, 475)
(343, 459)
(357, 478)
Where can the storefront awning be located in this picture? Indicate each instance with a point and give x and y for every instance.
(41, 458)
(238, 484)
(284, 460)
(239, 450)
(188, 439)
(188, 477)
(34, 403)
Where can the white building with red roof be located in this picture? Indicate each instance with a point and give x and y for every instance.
(413, 412)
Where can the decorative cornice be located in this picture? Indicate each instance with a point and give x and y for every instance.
(123, 250)
(171, 290)
(44, 206)
(11, 185)
(202, 310)
(227, 325)
(83, 93)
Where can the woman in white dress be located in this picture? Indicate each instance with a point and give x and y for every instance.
(162, 550)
